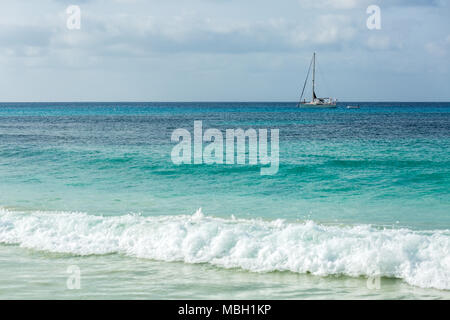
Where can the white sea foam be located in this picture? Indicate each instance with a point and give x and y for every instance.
(419, 258)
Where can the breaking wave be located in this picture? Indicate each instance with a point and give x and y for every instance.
(421, 258)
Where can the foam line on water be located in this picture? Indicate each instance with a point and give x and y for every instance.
(420, 258)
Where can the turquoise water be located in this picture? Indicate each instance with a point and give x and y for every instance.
(359, 193)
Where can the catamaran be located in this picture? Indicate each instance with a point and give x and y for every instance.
(315, 101)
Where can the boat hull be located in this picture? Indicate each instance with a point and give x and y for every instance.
(318, 106)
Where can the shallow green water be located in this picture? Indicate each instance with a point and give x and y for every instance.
(373, 185)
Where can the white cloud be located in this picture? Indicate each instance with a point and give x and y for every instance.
(245, 44)
(436, 48)
(333, 4)
(378, 42)
(334, 29)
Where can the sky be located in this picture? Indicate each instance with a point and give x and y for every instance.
(223, 50)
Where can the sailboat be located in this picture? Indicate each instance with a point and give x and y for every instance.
(315, 101)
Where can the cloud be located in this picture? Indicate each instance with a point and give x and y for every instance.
(379, 42)
(106, 31)
(439, 48)
(333, 4)
(122, 34)
(352, 4)
(209, 44)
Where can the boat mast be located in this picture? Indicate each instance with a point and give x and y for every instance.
(314, 75)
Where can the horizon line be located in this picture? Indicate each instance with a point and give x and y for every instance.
(225, 101)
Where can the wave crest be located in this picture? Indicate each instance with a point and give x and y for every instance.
(419, 258)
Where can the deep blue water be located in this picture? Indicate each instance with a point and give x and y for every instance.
(384, 163)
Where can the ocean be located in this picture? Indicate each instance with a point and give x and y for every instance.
(359, 207)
